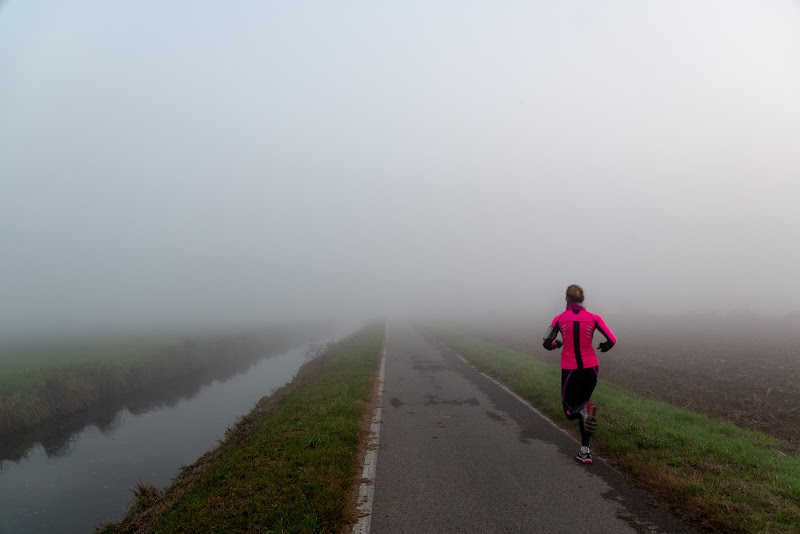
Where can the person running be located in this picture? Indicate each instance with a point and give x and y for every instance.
(579, 365)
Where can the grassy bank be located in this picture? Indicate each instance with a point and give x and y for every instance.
(61, 380)
(710, 473)
(290, 466)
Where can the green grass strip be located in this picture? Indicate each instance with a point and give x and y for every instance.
(288, 468)
(711, 473)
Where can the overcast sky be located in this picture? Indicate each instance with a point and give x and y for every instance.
(215, 161)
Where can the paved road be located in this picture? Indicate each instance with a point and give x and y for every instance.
(458, 453)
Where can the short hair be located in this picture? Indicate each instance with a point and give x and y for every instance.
(575, 293)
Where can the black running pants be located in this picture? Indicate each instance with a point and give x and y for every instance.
(577, 386)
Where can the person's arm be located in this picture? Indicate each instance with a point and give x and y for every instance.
(549, 341)
(611, 339)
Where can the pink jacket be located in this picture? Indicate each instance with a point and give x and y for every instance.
(577, 328)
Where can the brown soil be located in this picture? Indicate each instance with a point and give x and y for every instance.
(746, 370)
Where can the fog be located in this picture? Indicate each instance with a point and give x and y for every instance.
(182, 163)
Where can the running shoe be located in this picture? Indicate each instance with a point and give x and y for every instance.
(584, 457)
(589, 414)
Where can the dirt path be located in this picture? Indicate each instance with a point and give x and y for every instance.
(458, 453)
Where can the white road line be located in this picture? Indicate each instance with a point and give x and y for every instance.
(367, 491)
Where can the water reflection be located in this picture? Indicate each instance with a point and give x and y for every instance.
(81, 476)
(57, 436)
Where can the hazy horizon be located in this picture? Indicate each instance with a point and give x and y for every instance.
(197, 163)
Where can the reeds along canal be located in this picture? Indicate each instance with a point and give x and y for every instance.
(74, 482)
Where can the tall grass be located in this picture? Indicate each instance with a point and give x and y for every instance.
(288, 467)
(711, 473)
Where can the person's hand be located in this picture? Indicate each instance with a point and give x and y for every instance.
(605, 346)
(551, 345)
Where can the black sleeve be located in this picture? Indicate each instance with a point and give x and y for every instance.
(550, 337)
(607, 344)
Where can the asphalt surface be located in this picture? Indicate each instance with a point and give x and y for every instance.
(458, 453)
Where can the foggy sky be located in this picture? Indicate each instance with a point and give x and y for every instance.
(201, 161)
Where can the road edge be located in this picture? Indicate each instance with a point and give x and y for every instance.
(367, 491)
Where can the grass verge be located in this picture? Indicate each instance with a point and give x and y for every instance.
(712, 474)
(290, 466)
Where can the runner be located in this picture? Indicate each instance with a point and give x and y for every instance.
(579, 365)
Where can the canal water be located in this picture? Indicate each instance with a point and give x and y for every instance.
(89, 481)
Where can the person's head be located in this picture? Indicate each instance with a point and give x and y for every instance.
(575, 294)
